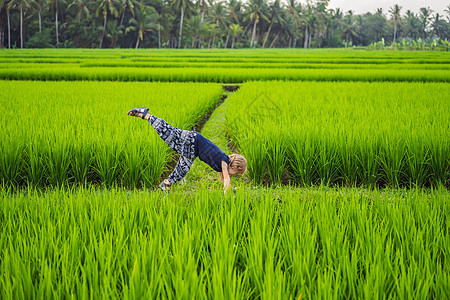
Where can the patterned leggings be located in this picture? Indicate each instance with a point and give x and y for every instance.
(182, 141)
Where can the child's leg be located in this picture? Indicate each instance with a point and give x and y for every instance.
(182, 141)
(182, 167)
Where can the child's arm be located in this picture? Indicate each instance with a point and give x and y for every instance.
(225, 176)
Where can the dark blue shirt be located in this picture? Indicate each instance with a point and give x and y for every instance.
(208, 152)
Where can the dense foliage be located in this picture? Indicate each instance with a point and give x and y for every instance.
(216, 24)
(63, 235)
(226, 66)
(79, 132)
(365, 129)
(352, 133)
(261, 244)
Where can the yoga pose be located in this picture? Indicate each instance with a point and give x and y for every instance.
(189, 145)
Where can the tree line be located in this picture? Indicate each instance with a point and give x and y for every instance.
(209, 24)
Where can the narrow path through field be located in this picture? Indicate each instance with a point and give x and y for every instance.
(215, 130)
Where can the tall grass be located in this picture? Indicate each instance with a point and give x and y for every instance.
(394, 134)
(78, 132)
(222, 75)
(259, 63)
(224, 54)
(277, 244)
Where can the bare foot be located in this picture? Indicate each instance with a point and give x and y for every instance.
(165, 185)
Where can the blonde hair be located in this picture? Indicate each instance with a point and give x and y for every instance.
(238, 163)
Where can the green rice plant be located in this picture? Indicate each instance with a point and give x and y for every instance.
(132, 164)
(439, 164)
(227, 237)
(35, 171)
(223, 54)
(328, 162)
(107, 155)
(81, 162)
(343, 133)
(349, 162)
(276, 158)
(250, 63)
(299, 239)
(155, 164)
(11, 161)
(367, 154)
(257, 243)
(73, 137)
(417, 162)
(222, 75)
(302, 157)
(392, 158)
(265, 273)
(256, 155)
(57, 158)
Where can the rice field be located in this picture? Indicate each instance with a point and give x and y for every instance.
(61, 133)
(344, 133)
(224, 66)
(268, 244)
(346, 196)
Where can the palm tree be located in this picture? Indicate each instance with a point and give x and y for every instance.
(395, 13)
(57, 7)
(82, 10)
(21, 4)
(202, 5)
(425, 16)
(360, 28)
(321, 19)
(145, 19)
(234, 11)
(195, 26)
(103, 8)
(275, 17)
(294, 21)
(182, 6)
(411, 24)
(114, 32)
(4, 4)
(124, 4)
(289, 28)
(438, 25)
(40, 6)
(257, 9)
(211, 31)
(235, 29)
(9, 26)
(218, 17)
(307, 20)
(349, 27)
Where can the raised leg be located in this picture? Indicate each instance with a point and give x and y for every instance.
(182, 141)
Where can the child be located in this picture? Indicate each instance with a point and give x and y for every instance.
(189, 145)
